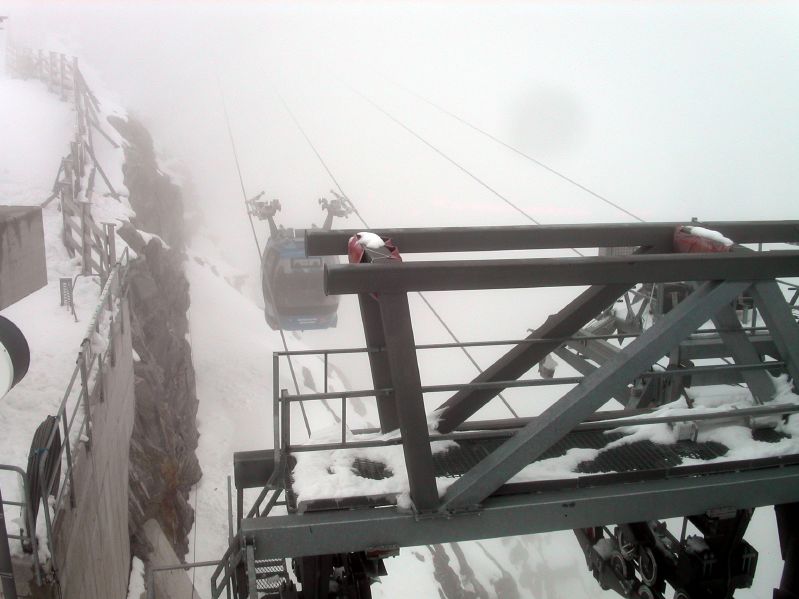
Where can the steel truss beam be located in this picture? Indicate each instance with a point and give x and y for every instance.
(743, 352)
(452, 275)
(408, 399)
(595, 390)
(523, 357)
(378, 361)
(340, 531)
(463, 239)
(781, 323)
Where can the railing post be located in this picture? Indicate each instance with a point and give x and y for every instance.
(69, 459)
(62, 74)
(285, 417)
(45, 494)
(276, 406)
(111, 246)
(9, 587)
(77, 166)
(65, 210)
(51, 72)
(84, 387)
(343, 418)
(85, 239)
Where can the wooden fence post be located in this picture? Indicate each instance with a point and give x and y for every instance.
(85, 238)
(63, 191)
(62, 74)
(51, 82)
(111, 246)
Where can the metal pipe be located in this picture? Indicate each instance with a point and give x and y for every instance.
(584, 426)
(29, 525)
(276, 422)
(528, 237)
(448, 275)
(568, 380)
(325, 374)
(422, 346)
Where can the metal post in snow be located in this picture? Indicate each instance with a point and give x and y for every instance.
(85, 239)
(110, 235)
(69, 460)
(84, 392)
(9, 587)
(62, 74)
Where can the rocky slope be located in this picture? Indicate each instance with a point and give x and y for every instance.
(163, 462)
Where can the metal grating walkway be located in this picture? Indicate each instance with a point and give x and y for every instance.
(641, 459)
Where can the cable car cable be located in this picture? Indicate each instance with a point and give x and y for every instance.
(452, 161)
(522, 154)
(258, 246)
(365, 224)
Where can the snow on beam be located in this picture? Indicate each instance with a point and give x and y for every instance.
(342, 531)
(463, 239)
(595, 389)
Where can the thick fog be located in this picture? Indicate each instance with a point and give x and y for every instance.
(670, 110)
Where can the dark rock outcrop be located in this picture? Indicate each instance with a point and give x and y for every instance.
(163, 464)
(153, 196)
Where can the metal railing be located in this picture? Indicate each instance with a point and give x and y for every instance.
(85, 388)
(81, 234)
(27, 535)
(282, 399)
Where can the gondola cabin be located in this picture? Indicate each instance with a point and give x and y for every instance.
(294, 297)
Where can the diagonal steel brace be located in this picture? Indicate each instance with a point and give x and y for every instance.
(595, 389)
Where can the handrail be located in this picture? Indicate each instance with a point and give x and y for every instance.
(88, 371)
(526, 341)
(25, 503)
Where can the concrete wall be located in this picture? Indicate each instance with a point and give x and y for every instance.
(92, 545)
(169, 584)
(22, 264)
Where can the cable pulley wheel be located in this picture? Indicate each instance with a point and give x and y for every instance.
(648, 566)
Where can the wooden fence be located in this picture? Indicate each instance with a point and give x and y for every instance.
(75, 180)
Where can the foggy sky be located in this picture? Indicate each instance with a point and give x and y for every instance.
(670, 109)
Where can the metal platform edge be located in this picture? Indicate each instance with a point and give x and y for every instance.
(318, 533)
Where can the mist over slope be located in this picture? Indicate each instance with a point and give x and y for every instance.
(672, 111)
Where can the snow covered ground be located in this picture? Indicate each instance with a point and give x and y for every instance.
(37, 128)
(648, 105)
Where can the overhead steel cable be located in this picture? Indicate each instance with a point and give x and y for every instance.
(452, 161)
(258, 246)
(524, 155)
(365, 224)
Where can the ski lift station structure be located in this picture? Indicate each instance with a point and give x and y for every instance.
(615, 501)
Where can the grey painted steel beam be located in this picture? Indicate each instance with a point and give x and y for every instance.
(378, 361)
(450, 275)
(743, 352)
(713, 347)
(584, 367)
(253, 468)
(407, 384)
(596, 388)
(341, 531)
(598, 350)
(782, 325)
(523, 357)
(463, 239)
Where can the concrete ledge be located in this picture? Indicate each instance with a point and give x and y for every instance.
(23, 268)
